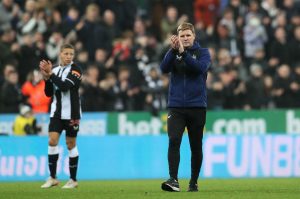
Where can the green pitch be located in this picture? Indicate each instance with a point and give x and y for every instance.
(286, 188)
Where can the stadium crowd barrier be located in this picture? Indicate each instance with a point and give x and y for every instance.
(143, 123)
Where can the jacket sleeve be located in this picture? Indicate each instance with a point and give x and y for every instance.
(48, 88)
(166, 64)
(72, 79)
(200, 64)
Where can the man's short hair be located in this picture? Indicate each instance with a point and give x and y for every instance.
(64, 46)
(186, 26)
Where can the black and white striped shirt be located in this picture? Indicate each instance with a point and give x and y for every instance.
(63, 87)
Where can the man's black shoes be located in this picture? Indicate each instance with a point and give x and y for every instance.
(170, 185)
(193, 187)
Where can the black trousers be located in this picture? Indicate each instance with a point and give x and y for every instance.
(194, 120)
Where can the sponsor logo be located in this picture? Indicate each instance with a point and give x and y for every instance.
(141, 127)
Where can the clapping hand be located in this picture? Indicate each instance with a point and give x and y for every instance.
(180, 48)
(46, 68)
(174, 42)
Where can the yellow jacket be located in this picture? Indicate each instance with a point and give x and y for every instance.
(24, 125)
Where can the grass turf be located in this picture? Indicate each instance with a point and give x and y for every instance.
(283, 188)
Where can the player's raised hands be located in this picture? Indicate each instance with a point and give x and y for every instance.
(180, 46)
(174, 42)
(46, 68)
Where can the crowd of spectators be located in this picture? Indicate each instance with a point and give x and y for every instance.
(254, 45)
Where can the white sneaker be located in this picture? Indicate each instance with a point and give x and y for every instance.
(50, 182)
(70, 184)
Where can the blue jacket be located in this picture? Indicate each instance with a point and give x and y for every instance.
(188, 70)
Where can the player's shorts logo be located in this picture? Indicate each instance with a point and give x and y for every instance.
(76, 127)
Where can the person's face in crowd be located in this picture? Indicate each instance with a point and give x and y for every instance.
(284, 71)
(280, 34)
(297, 69)
(13, 77)
(139, 27)
(172, 14)
(288, 3)
(38, 37)
(123, 75)
(28, 114)
(7, 3)
(111, 79)
(259, 54)
(127, 42)
(256, 71)
(57, 37)
(93, 73)
(253, 7)
(37, 76)
(272, 3)
(8, 36)
(30, 6)
(235, 3)
(100, 55)
(225, 78)
(224, 57)
(109, 17)
(83, 57)
(154, 74)
(8, 69)
(268, 81)
(295, 20)
(228, 15)
(66, 56)
(281, 19)
(73, 14)
(25, 17)
(222, 31)
(187, 37)
(78, 46)
(92, 12)
(27, 40)
(297, 33)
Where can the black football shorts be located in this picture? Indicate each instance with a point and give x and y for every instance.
(58, 125)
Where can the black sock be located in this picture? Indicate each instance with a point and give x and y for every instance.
(52, 162)
(73, 163)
